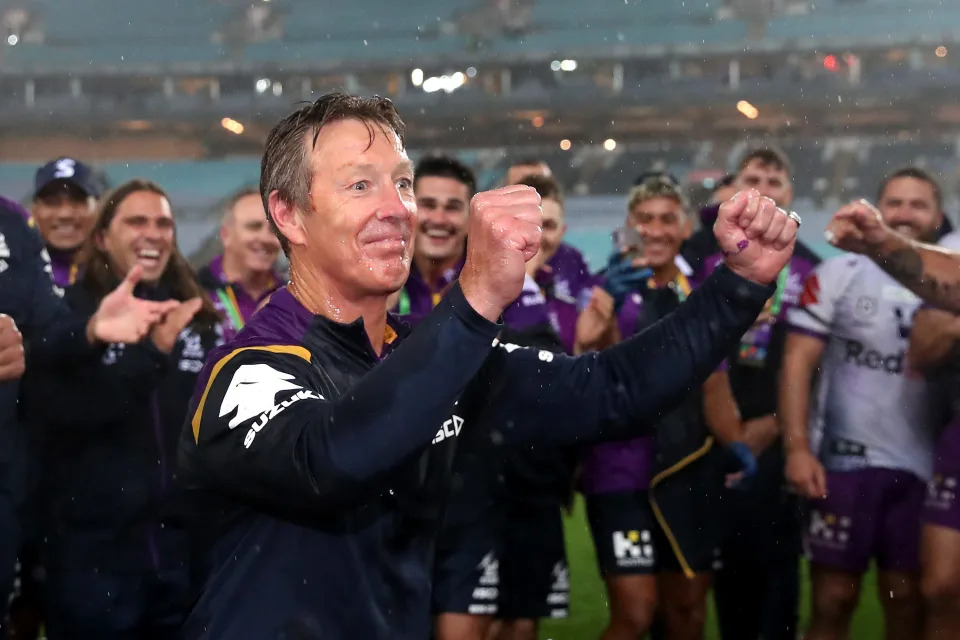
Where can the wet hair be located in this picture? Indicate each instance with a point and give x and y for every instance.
(917, 174)
(445, 167)
(546, 186)
(767, 157)
(657, 187)
(178, 278)
(285, 166)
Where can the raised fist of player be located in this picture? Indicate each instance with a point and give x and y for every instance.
(503, 234)
(756, 237)
(858, 227)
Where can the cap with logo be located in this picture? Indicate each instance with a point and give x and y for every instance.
(67, 170)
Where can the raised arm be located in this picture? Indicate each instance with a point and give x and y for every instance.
(933, 273)
(543, 397)
(614, 394)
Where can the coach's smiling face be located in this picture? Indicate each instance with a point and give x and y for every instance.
(359, 235)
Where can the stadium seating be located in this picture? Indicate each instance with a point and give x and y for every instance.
(112, 33)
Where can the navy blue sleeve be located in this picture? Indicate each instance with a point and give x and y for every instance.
(97, 393)
(53, 333)
(264, 431)
(537, 396)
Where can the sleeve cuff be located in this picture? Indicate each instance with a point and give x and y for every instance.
(740, 290)
(468, 315)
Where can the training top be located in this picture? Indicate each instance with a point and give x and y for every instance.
(319, 470)
(872, 410)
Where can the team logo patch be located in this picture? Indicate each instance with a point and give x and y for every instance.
(66, 168)
(830, 530)
(811, 291)
(253, 391)
(252, 394)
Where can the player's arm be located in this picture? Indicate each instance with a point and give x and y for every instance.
(544, 397)
(801, 359)
(810, 324)
(720, 409)
(934, 338)
(309, 452)
(932, 272)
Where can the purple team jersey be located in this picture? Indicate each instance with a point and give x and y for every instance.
(569, 284)
(63, 267)
(626, 465)
(418, 297)
(231, 297)
(756, 341)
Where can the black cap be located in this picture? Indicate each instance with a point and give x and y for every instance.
(67, 170)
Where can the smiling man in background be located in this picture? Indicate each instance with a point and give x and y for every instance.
(240, 280)
(64, 202)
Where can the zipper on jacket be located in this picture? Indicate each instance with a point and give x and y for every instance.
(158, 433)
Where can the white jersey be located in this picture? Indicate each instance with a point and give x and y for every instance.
(873, 411)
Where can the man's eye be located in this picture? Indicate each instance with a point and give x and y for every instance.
(359, 186)
(405, 183)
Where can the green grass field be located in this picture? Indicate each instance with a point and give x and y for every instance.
(588, 603)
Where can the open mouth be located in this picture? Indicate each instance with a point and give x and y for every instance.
(437, 233)
(148, 257)
(264, 253)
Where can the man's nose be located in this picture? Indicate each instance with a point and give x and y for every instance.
(393, 205)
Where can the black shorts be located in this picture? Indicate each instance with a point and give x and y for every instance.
(629, 540)
(466, 575)
(535, 578)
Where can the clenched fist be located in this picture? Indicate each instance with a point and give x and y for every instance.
(858, 227)
(503, 234)
(756, 237)
(11, 349)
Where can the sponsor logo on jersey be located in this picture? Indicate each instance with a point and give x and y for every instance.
(904, 322)
(449, 429)
(3, 266)
(4, 249)
(633, 548)
(865, 308)
(858, 354)
(252, 394)
(509, 347)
